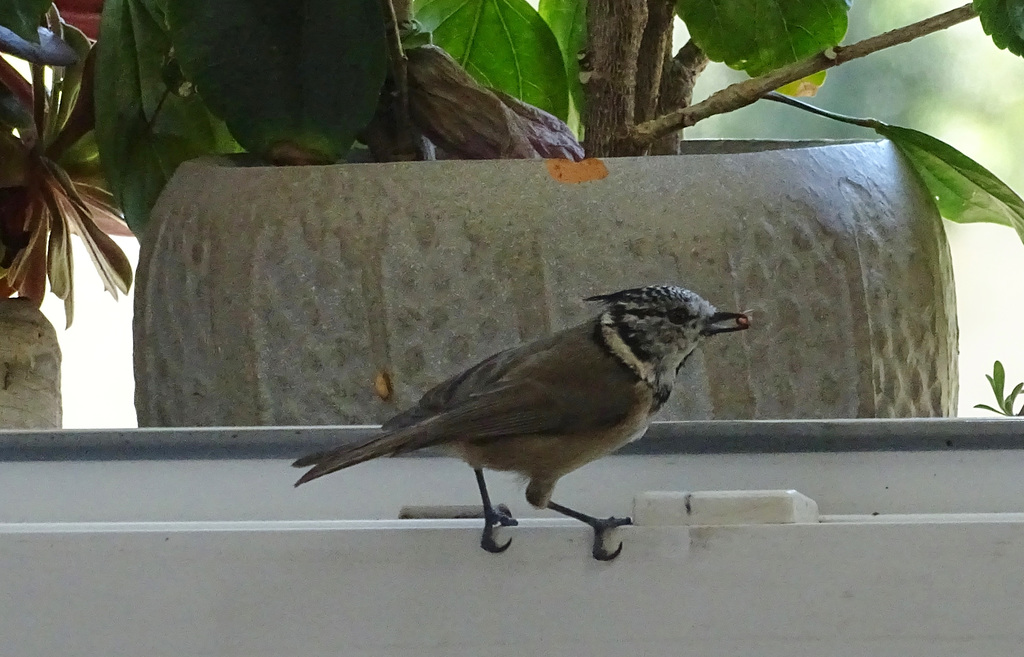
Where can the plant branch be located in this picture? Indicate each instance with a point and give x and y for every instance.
(391, 135)
(399, 67)
(677, 81)
(745, 93)
(654, 45)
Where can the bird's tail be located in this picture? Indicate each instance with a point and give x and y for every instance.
(343, 457)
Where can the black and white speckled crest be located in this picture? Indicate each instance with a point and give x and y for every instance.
(653, 330)
(643, 295)
(656, 299)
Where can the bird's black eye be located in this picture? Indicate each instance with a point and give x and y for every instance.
(678, 316)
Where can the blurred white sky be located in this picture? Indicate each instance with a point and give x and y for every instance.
(988, 260)
(96, 378)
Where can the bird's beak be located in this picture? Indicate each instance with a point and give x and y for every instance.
(726, 323)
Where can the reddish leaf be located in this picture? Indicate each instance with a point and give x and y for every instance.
(111, 263)
(13, 80)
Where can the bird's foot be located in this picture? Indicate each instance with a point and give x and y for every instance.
(500, 516)
(601, 527)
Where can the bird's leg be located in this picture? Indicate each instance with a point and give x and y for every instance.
(601, 527)
(500, 516)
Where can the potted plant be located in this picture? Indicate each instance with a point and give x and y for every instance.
(50, 188)
(346, 289)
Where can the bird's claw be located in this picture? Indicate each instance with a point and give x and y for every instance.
(601, 528)
(488, 543)
(601, 554)
(492, 518)
(503, 516)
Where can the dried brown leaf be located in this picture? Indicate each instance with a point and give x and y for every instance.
(470, 121)
(548, 135)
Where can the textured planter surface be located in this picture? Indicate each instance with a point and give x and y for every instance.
(29, 368)
(281, 295)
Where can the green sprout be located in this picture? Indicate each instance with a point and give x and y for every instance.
(1004, 404)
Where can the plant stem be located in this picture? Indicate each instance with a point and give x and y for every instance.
(399, 67)
(745, 93)
(38, 101)
(807, 107)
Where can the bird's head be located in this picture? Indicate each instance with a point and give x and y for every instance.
(660, 325)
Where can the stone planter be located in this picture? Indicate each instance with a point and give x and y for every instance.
(29, 368)
(324, 295)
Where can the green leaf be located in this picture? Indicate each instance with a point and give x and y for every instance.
(806, 86)
(300, 77)
(66, 83)
(23, 17)
(568, 21)
(413, 35)
(1012, 398)
(758, 36)
(989, 408)
(998, 380)
(1003, 20)
(143, 132)
(503, 44)
(964, 191)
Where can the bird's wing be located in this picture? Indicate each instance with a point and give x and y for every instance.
(515, 409)
(562, 386)
(511, 409)
(481, 377)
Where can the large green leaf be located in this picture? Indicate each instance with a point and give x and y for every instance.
(301, 78)
(758, 36)
(964, 190)
(144, 131)
(503, 44)
(23, 17)
(1003, 20)
(568, 22)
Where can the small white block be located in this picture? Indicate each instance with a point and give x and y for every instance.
(723, 507)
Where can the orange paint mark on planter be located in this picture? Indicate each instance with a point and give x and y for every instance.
(567, 171)
(382, 385)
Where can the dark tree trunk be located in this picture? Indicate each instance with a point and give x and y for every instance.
(609, 69)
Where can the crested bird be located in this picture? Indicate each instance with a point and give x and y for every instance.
(547, 407)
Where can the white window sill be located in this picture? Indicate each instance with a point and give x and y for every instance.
(223, 557)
